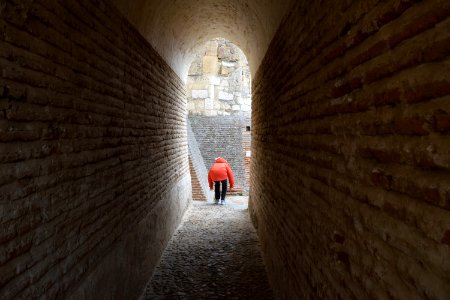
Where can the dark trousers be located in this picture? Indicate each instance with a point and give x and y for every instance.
(217, 189)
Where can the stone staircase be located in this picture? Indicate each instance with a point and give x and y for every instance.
(199, 174)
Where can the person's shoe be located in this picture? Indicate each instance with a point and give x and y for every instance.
(217, 201)
(222, 202)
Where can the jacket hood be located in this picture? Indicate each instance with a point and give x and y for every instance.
(221, 160)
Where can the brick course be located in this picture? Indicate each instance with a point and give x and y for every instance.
(350, 169)
(93, 151)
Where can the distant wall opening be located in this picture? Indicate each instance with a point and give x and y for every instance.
(219, 110)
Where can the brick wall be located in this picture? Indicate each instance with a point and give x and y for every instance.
(222, 136)
(93, 152)
(351, 162)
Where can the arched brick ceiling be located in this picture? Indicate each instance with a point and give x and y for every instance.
(178, 28)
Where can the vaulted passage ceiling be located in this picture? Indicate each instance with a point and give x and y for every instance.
(177, 29)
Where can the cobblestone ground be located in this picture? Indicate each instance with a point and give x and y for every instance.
(214, 254)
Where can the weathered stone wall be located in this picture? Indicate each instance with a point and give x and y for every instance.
(219, 81)
(94, 173)
(222, 136)
(351, 162)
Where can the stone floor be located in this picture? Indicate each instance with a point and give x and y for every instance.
(214, 254)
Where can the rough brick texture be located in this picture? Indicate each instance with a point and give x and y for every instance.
(351, 164)
(222, 136)
(94, 173)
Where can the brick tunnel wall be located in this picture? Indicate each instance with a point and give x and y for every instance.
(94, 173)
(350, 155)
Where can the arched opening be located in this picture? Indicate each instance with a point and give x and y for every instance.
(218, 89)
(351, 165)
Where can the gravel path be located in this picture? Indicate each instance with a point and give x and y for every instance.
(214, 254)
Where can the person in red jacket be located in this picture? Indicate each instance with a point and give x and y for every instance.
(219, 173)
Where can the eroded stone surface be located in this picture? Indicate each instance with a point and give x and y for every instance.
(219, 81)
(213, 255)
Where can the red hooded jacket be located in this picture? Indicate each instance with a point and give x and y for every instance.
(220, 171)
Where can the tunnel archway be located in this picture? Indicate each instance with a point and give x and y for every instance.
(176, 29)
(343, 120)
(350, 189)
(218, 115)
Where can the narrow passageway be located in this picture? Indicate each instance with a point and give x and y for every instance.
(214, 254)
(112, 112)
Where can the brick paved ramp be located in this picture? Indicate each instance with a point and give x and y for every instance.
(214, 254)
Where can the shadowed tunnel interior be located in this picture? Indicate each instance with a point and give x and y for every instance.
(350, 170)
